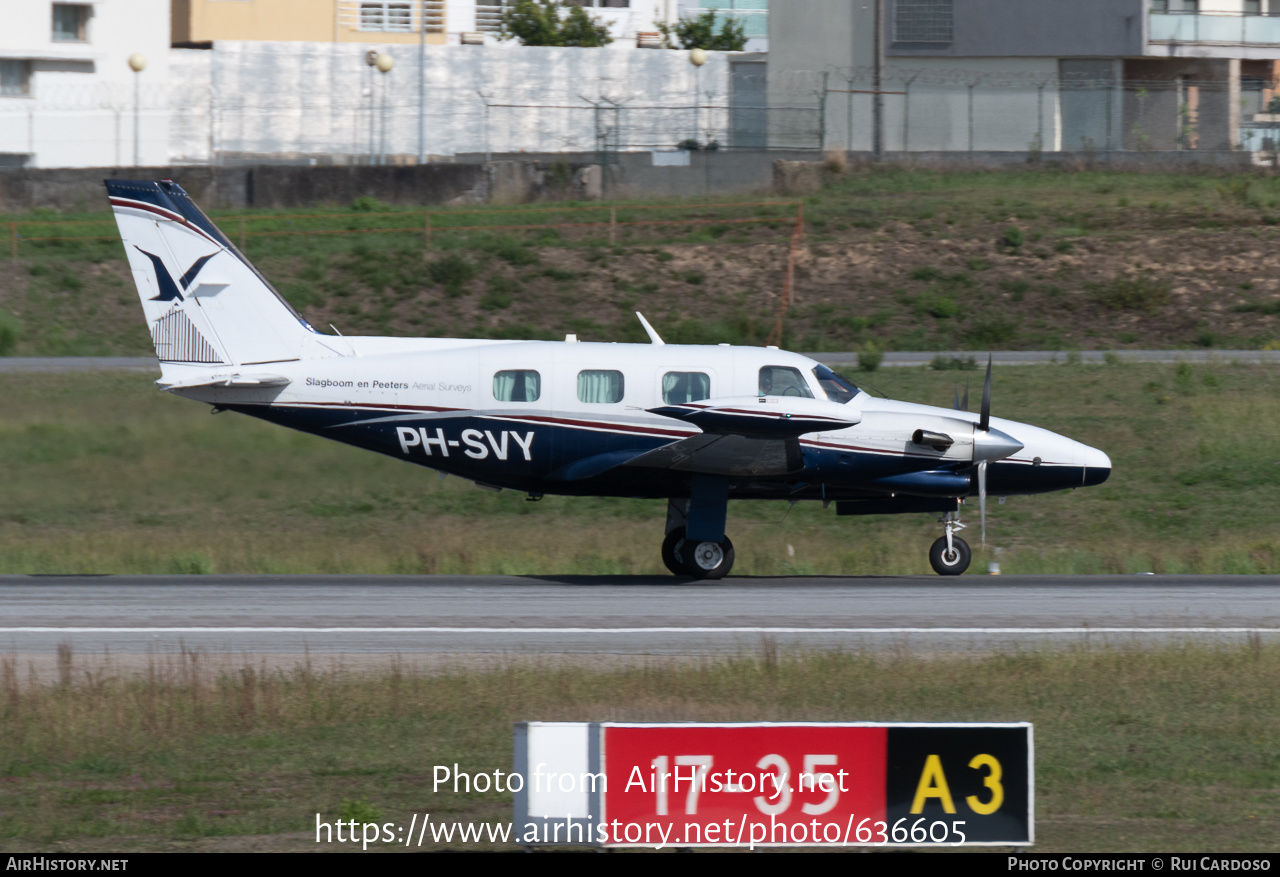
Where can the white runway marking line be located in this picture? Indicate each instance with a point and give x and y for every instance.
(620, 630)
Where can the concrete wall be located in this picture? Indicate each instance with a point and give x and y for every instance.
(300, 100)
(239, 187)
(519, 179)
(510, 179)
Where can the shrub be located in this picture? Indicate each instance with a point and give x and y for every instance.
(1132, 292)
(1016, 288)
(954, 363)
(870, 356)
(8, 333)
(1013, 239)
(512, 251)
(944, 308)
(359, 811)
(452, 272)
(1271, 307)
(992, 330)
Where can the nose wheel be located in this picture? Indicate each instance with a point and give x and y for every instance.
(701, 560)
(950, 555)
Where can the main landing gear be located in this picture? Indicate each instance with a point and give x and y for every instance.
(702, 560)
(695, 544)
(950, 555)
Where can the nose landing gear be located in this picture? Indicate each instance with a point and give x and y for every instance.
(950, 555)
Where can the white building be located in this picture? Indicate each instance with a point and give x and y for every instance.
(68, 97)
(1031, 75)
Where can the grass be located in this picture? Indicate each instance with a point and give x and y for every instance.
(1170, 749)
(988, 258)
(103, 474)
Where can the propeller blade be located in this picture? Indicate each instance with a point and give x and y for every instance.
(982, 499)
(984, 420)
(955, 398)
(964, 405)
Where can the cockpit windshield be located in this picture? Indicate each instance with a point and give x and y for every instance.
(837, 387)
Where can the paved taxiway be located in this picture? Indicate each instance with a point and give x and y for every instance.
(624, 615)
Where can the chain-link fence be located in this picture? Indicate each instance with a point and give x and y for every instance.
(323, 103)
(1069, 110)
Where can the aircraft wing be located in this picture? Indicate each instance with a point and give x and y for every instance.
(721, 454)
(763, 416)
(745, 436)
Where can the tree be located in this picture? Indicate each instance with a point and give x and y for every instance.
(700, 33)
(538, 23)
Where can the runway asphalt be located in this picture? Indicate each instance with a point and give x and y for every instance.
(623, 615)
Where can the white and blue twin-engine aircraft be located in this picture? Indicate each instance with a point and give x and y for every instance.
(694, 425)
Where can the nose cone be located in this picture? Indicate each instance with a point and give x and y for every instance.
(994, 445)
(1097, 467)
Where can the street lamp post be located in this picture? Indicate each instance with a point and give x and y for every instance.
(137, 63)
(371, 59)
(422, 83)
(697, 57)
(384, 63)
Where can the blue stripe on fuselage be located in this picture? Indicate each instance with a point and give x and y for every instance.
(521, 455)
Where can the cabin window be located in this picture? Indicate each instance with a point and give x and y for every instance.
(778, 380)
(600, 386)
(681, 387)
(517, 385)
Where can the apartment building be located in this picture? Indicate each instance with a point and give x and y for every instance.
(990, 75)
(391, 22)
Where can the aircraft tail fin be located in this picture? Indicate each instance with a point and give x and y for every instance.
(205, 303)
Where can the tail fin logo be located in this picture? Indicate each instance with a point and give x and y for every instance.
(169, 289)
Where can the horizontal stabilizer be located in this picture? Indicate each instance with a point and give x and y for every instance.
(763, 416)
(227, 381)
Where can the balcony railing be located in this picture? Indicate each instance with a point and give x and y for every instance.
(392, 16)
(1215, 28)
(489, 17)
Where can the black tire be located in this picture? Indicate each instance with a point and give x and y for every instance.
(696, 555)
(670, 559)
(953, 565)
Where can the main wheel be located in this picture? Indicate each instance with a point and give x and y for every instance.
(706, 560)
(670, 559)
(953, 562)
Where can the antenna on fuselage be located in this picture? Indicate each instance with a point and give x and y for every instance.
(653, 333)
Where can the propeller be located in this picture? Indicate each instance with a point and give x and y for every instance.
(988, 444)
(956, 403)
